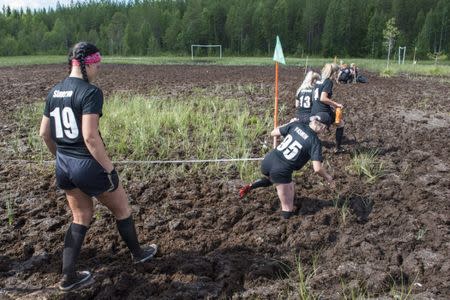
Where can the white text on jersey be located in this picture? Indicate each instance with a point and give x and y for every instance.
(62, 94)
(301, 133)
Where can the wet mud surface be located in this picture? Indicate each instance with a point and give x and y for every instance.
(375, 238)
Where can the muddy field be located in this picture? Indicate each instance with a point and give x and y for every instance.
(395, 239)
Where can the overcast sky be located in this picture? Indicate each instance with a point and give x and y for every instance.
(33, 4)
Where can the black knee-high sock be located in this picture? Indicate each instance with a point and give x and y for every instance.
(72, 245)
(263, 182)
(127, 231)
(339, 136)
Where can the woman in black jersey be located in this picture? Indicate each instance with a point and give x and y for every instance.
(69, 128)
(324, 106)
(345, 74)
(300, 144)
(304, 97)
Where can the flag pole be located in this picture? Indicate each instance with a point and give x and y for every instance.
(278, 57)
(275, 115)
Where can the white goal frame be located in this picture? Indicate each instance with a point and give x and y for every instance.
(205, 46)
(400, 61)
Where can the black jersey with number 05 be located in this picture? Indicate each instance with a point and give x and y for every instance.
(65, 105)
(300, 144)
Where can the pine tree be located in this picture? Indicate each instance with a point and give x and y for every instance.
(374, 37)
(424, 40)
(173, 36)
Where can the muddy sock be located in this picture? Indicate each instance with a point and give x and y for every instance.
(263, 182)
(72, 245)
(127, 231)
(339, 136)
(286, 214)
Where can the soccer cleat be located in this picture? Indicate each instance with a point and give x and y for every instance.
(338, 150)
(70, 282)
(244, 190)
(147, 253)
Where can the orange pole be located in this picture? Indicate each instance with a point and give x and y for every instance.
(275, 116)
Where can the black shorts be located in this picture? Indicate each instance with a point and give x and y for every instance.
(327, 118)
(277, 170)
(83, 173)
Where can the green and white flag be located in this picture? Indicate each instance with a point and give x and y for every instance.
(278, 54)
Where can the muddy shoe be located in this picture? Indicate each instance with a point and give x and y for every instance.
(70, 282)
(244, 190)
(147, 253)
(339, 150)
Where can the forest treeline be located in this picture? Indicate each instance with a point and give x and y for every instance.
(243, 27)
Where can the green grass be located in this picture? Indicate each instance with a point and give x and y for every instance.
(403, 288)
(10, 209)
(353, 292)
(343, 207)
(367, 164)
(426, 67)
(136, 127)
(196, 127)
(9, 61)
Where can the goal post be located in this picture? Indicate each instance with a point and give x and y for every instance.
(400, 50)
(205, 46)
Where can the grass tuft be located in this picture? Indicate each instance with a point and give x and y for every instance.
(366, 163)
(10, 209)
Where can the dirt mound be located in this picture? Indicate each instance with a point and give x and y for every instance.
(383, 238)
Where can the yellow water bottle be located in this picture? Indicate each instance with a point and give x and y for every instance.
(338, 115)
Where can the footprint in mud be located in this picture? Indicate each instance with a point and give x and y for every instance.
(359, 205)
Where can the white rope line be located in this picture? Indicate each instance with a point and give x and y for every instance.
(147, 162)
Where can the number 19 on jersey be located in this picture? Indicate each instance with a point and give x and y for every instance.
(65, 123)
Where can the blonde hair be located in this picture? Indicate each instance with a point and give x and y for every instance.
(308, 82)
(328, 70)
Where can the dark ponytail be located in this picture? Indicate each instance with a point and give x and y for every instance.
(79, 52)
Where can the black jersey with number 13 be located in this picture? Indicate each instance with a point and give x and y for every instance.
(65, 105)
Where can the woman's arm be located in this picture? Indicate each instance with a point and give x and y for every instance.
(319, 169)
(94, 142)
(46, 134)
(275, 132)
(326, 100)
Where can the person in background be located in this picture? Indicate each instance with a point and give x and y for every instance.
(69, 128)
(354, 71)
(345, 74)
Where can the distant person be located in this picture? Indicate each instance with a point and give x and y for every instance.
(323, 105)
(300, 144)
(354, 71)
(304, 97)
(69, 128)
(357, 76)
(345, 74)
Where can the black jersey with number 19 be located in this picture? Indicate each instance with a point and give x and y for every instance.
(65, 105)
